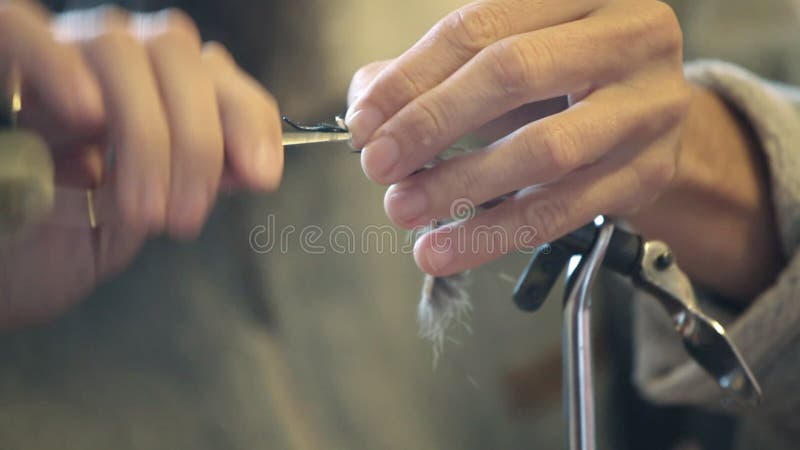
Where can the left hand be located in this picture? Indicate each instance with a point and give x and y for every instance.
(500, 66)
(183, 120)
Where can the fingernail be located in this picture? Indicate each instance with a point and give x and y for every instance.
(439, 257)
(406, 206)
(379, 158)
(362, 125)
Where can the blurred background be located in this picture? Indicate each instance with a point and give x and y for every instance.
(213, 345)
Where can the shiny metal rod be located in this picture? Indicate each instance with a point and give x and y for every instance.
(291, 138)
(577, 348)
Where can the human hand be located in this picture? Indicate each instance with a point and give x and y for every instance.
(502, 65)
(183, 122)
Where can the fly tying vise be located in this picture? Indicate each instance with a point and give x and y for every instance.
(652, 268)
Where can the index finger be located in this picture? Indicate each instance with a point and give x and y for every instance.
(447, 46)
(55, 72)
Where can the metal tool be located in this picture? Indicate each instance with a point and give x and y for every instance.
(294, 138)
(315, 133)
(577, 346)
(652, 267)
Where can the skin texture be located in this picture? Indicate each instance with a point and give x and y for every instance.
(585, 105)
(727, 238)
(182, 119)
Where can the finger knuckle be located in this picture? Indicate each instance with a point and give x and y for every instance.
(117, 39)
(553, 146)
(363, 74)
(404, 81)
(178, 27)
(658, 24)
(516, 63)
(403, 75)
(669, 106)
(366, 75)
(219, 59)
(467, 182)
(217, 50)
(657, 175)
(269, 103)
(548, 217)
(647, 179)
(109, 15)
(368, 72)
(475, 27)
(173, 38)
(430, 122)
(678, 108)
(176, 37)
(169, 26)
(177, 19)
(664, 18)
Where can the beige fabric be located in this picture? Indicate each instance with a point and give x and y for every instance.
(767, 333)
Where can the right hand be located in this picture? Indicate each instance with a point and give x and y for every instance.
(182, 119)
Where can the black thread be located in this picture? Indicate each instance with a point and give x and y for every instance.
(322, 127)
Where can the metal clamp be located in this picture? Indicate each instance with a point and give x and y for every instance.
(653, 269)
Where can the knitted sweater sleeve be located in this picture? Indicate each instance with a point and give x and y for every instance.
(768, 332)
